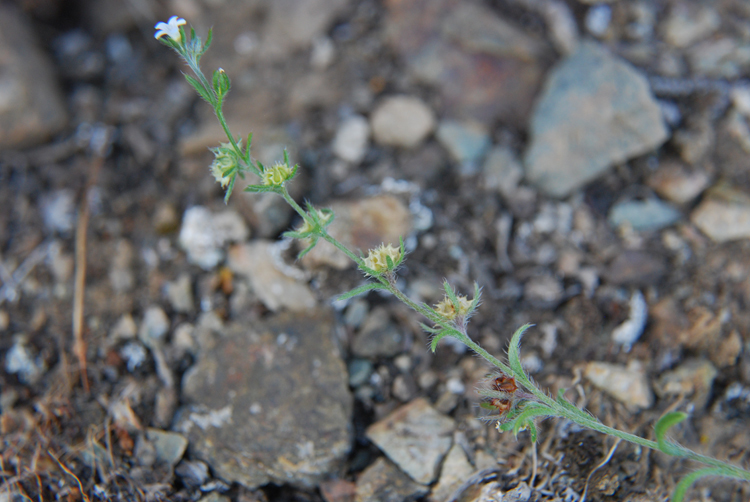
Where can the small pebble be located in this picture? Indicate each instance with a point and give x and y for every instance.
(193, 473)
(402, 121)
(597, 19)
(154, 326)
(59, 211)
(350, 142)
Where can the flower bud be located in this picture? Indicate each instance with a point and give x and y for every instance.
(377, 259)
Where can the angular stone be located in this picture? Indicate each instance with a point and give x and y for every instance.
(32, 108)
(502, 171)
(485, 68)
(455, 471)
(416, 437)
(276, 289)
(168, 446)
(687, 24)
(361, 225)
(270, 403)
(402, 121)
(466, 142)
(694, 377)
(583, 126)
(722, 220)
(628, 385)
(676, 183)
(203, 234)
(383, 482)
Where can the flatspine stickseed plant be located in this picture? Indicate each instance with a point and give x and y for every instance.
(517, 400)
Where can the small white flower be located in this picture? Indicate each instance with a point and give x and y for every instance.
(171, 28)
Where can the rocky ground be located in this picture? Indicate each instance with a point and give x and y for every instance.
(587, 163)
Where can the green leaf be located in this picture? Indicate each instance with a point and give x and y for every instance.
(200, 89)
(229, 189)
(487, 406)
(514, 350)
(662, 426)
(451, 294)
(525, 419)
(209, 38)
(314, 241)
(286, 157)
(401, 251)
(685, 483)
(430, 329)
(439, 336)
(361, 289)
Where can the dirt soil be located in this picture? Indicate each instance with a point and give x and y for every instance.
(72, 433)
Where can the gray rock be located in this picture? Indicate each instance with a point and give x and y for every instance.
(597, 19)
(378, 337)
(383, 482)
(180, 294)
(502, 171)
(275, 288)
(416, 437)
(484, 67)
(721, 220)
(721, 57)
(583, 126)
(32, 108)
(544, 291)
(169, 447)
(644, 216)
(626, 384)
(687, 24)
(154, 326)
(350, 143)
(203, 234)
(402, 121)
(694, 378)
(270, 404)
(359, 372)
(455, 471)
(193, 473)
(466, 142)
(678, 184)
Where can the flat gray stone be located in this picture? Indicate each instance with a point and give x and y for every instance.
(270, 403)
(169, 447)
(416, 437)
(383, 482)
(645, 215)
(32, 108)
(628, 385)
(594, 112)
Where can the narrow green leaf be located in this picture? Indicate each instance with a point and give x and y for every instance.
(286, 157)
(209, 38)
(514, 350)
(202, 91)
(389, 262)
(451, 294)
(439, 336)
(528, 414)
(532, 431)
(429, 329)
(487, 406)
(313, 242)
(229, 189)
(662, 426)
(361, 289)
(685, 483)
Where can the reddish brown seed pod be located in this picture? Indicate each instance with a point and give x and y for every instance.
(504, 383)
(502, 405)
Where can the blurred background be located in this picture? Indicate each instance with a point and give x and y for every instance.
(585, 162)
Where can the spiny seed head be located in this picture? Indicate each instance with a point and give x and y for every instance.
(225, 163)
(448, 311)
(377, 259)
(323, 216)
(277, 174)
